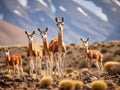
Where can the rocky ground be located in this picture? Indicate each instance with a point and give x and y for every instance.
(74, 60)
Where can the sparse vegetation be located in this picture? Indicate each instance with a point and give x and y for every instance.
(46, 82)
(69, 70)
(66, 85)
(74, 62)
(112, 67)
(98, 85)
(78, 85)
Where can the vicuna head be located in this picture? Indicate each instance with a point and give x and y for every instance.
(43, 33)
(7, 51)
(59, 23)
(85, 42)
(30, 35)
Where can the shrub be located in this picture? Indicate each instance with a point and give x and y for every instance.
(69, 70)
(78, 85)
(112, 67)
(104, 50)
(85, 71)
(46, 82)
(98, 85)
(66, 85)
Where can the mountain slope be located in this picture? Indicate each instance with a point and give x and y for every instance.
(13, 35)
(95, 19)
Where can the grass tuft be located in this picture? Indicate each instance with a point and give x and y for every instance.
(78, 85)
(112, 67)
(66, 85)
(46, 82)
(98, 85)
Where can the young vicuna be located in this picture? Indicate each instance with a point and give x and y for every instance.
(14, 61)
(47, 55)
(92, 54)
(58, 47)
(34, 55)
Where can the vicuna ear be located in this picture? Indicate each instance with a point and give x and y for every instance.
(46, 29)
(9, 48)
(39, 29)
(26, 32)
(62, 19)
(56, 19)
(33, 32)
(87, 38)
(81, 39)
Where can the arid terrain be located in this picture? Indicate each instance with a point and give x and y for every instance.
(74, 64)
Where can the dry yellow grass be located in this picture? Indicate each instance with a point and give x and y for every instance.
(78, 85)
(112, 67)
(98, 85)
(69, 70)
(66, 85)
(46, 82)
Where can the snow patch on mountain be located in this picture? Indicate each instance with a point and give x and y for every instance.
(93, 8)
(43, 3)
(52, 6)
(82, 11)
(23, 2)
(116, 2)
(17, 12)
(62, 8)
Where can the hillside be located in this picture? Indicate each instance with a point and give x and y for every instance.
(13, 35)
(74, 61)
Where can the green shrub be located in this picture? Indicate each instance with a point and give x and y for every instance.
(69, 70)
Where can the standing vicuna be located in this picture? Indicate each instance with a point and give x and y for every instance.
(92, 54)
(58, 48)
(34, 55)
(14, 61)
(47, 55)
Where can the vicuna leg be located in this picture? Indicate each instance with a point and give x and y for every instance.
(21, 70)
(14, 70)
(47, 66)
(39, 66)
(51, 69)
(31, 67)
(36, 67)
(101, 66)
(60, 65)
(89, 63)
(18, 70)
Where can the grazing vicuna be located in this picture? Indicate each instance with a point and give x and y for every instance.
(14, 61)
(92, 56)
(47, 55)
(58, 48)
(34, 54)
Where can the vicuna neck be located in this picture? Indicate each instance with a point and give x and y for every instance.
(60, 39)
(30, 46)
(45, 45)
(8, 57)
(86, 50)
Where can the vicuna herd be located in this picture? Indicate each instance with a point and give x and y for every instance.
(53, 54)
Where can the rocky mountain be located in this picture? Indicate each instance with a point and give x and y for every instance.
(97, 19)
